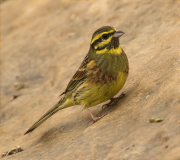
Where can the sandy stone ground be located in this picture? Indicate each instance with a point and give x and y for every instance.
(43, 44)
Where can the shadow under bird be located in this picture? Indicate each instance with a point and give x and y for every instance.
(99, 78)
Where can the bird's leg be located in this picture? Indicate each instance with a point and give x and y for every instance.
(114, 100)
(95, 119)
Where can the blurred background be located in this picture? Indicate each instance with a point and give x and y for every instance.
(42, 45)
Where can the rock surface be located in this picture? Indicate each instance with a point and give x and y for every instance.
(43, 44)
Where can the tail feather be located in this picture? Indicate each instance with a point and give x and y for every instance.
(58, 106)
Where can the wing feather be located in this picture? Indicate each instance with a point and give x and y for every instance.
(79, 76)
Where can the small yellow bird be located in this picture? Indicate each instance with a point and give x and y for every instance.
(99, 78)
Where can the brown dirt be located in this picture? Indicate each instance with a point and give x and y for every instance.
(43, 44)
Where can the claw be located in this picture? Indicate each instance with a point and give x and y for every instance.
(95, 119)
(113, 100)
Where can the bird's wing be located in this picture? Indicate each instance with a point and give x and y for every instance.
(78, 76)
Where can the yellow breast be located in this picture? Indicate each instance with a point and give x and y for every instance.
(96, 93)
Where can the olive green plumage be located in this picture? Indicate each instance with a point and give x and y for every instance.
(99, 78)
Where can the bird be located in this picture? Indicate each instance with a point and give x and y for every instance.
(101, 75)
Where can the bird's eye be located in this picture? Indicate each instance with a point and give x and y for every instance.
(104, 36)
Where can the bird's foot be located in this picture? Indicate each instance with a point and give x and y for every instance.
(114, 100)
(95, 119)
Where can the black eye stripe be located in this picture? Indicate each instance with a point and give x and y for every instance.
(100, 38)
(96, 41)
(105, 36)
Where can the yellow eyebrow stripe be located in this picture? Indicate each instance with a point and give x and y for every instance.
(99, 35)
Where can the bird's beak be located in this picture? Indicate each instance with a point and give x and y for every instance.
(118, 33)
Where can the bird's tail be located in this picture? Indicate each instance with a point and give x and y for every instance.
(63, 103)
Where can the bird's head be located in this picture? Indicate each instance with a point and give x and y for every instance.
(106, 38)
